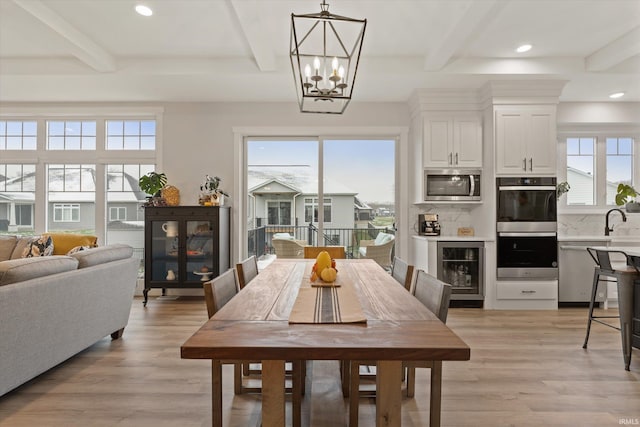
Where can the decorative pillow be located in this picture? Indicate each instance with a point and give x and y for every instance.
(78, 249)
(64, 242)
(39, 246)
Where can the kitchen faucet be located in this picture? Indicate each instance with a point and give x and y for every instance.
(606, 223)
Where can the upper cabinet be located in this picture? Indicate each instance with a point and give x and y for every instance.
(452, 141)
(526, 140)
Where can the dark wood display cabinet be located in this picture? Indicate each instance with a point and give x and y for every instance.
(185, 246)
(635, 338)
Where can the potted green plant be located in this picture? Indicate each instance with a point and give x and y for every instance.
(626, 196)
(152, 184)
(561, 188)
(210, 191)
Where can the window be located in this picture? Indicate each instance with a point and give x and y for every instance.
(311, 208)
(619, 165)
(66, 212)
(71, 135)
(117, 213)
(131, 135)
(17, 197)
(595, 165)
(279, 212)
(24, 215)
(580, 168)
(18, 135)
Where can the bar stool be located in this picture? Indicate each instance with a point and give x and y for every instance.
(604, 267)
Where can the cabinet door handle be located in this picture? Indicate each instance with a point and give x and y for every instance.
(528, 292)
(456, 158)
(524, 164)
(450, 158)
(531, 164)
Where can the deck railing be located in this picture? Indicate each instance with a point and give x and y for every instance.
(259, 238)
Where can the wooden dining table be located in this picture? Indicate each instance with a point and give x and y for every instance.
(254, 325)
(625, 285)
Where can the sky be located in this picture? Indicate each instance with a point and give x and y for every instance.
(365, 166)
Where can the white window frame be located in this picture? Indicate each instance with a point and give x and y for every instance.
(118, 210)
(278, 201)
(326, 202)
(65, 208)
(100, 156)
(600, 132)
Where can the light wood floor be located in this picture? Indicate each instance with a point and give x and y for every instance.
(527, 369)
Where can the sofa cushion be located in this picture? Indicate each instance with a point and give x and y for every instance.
(64, 242)
(102, 254)
(19, 270)
(22, 243)
(7, 245)
(40, 246)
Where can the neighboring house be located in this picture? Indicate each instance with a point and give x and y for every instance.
(285, 198)
(581, 191)
(74, 210)
(363, 213)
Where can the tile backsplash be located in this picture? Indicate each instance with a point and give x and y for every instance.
(593, 225)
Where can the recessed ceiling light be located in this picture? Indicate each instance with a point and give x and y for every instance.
(616, 95)
(524, 48)
(144, 10)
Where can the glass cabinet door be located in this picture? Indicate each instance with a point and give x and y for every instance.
(461, 268)
(164, 251)
(199, 250)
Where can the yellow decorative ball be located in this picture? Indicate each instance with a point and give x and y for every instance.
(172, 195)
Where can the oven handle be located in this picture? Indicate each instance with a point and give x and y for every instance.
(472, 190)
(527, 234)
(523, 187)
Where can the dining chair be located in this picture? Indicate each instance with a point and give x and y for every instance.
(336, 252)
(402, 272)
(217, 293)
(247, 270)
(608, 268)
(435, 296)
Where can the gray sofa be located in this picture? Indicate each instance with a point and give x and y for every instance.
(53, 307)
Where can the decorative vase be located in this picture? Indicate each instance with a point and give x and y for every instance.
(632, 207)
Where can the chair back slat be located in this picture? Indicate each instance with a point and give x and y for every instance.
(402, 272)
(336, 252)
(219, 291)
(433, 293)
(247, 270)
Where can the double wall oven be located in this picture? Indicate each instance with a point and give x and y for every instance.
(527, 228)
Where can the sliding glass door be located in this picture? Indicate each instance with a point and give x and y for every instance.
(320, 192)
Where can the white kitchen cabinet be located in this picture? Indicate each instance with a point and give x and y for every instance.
(526, 294)
(452, 141)
(526, 140)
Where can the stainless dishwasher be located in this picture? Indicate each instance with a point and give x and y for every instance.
(576, 273)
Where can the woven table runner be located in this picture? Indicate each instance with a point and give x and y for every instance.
(327, 304)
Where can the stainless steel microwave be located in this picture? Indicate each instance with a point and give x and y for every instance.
(453, 185)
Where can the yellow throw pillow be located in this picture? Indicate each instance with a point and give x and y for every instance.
(64, 242)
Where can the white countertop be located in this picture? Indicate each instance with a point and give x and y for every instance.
(599, 238)
(453, 238)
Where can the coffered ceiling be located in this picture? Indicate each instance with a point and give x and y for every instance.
(237, 50)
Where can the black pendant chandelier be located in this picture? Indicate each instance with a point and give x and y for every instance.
(325, 51)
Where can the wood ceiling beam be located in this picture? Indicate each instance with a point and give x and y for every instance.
(81, 46)
(255, 29)
(615, 52)
(472, 23)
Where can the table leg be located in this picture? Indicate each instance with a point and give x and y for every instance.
(436, 394)
(273, 408)
(388, 393)
(216, 393)
(625, 309)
